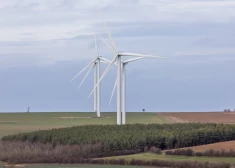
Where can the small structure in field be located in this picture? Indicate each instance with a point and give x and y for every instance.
(28, 109)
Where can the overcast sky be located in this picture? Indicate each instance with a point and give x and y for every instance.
(44, 43)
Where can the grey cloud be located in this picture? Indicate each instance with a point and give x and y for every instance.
(20, 43)
(23, 60)
(133, 34)
(197, 39)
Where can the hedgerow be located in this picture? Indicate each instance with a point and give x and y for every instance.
(210, 152)
(30, 153)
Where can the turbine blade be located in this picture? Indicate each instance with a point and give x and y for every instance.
(83, 69)
(105, 60)
(114, 87)
(110, 37)
(86, 75)
(97, 52)
(91, 93)
(139, 55)
(133, 59)
(104, 74)
(108, 45)
(108, 60)
(90, 53)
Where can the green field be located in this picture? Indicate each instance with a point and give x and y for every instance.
(11, 123)
(148, 156)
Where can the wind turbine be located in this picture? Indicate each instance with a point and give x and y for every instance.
(124, 63)
(117, 57)
(95, 64)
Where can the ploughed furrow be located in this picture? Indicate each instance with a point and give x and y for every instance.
(175, 119)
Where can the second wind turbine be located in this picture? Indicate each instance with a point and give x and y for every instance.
(95, 63)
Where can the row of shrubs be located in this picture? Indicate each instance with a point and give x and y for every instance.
(26, 152)
(150, 163)
(210, 152)
(162, 163)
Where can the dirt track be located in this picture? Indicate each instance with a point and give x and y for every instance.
(203, 117)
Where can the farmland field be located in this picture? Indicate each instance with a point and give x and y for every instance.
(202, 117)
(148, 156)
(159, 135)
(215, 146)
(11, 123)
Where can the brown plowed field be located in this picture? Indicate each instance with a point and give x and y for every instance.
(175, 119)
(216, 146)
(202, 117)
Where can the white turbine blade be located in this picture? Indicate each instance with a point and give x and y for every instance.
(97, 52)
(86, 75)
(114, 87)
(105, 60)
(133, 59)
(90, 53)
(110, 37)
(83, 69)
(139, 55)
(111, 48)
(91, 93)
(104, 74)
(108, 61)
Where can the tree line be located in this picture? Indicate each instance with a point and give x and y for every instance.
(133, 136)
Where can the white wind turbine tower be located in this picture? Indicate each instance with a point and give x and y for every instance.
(117, 57)
(95, 64)
(124, 63)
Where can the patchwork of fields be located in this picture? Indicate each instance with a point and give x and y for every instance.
(202, 117)
(11, 123)
(148, 156)
(228, 145)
